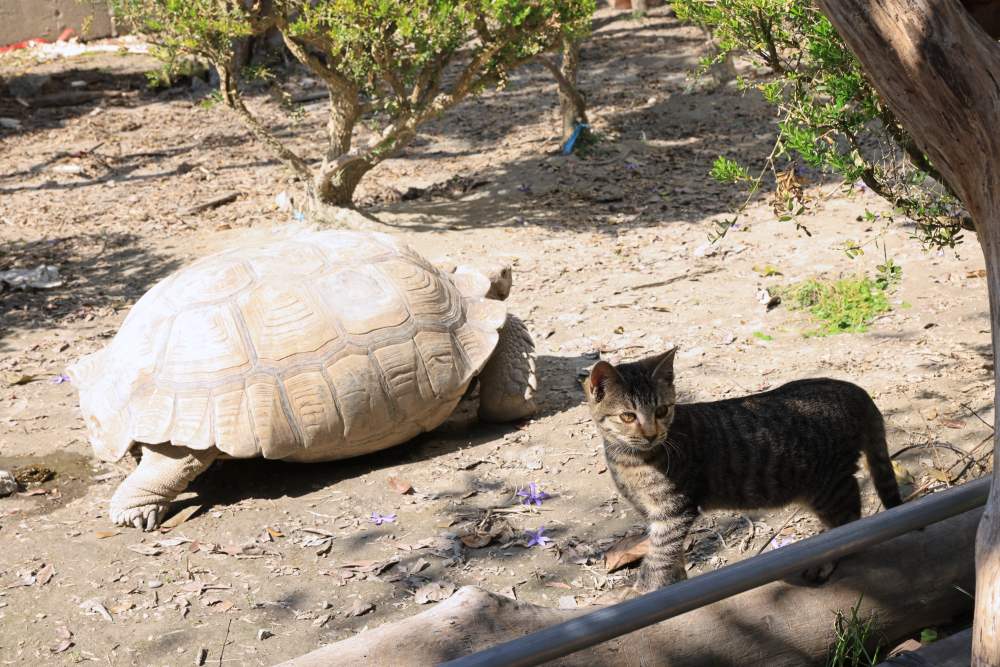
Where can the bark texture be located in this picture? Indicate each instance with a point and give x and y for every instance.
(909, 582)
(938, 69)
(572, 106)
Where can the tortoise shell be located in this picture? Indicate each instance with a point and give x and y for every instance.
(320, 346)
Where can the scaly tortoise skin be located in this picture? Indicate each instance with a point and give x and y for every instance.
(316, 347)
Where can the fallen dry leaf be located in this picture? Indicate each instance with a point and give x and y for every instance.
(627, 551)
(400, 486)
(179, 518)
(435, 591)
(44, 575)
(105, 534)
(977, 273)
(121, 607)
(476, 540)
(359, 608)
(144, 549)
(371, 566)
(419, 565)
(274, 533)
(173, 542)
(952, 423)
(939, 475)
(96, 606)
(63, 645)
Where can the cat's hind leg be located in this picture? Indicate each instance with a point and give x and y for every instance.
(838, 503)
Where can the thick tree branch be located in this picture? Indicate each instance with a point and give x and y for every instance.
(231, 96)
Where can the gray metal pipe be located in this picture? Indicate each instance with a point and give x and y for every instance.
(619, 619)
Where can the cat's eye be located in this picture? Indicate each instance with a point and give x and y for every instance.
(627, 417)
(662, 411)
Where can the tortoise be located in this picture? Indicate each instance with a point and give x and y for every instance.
(318, 346)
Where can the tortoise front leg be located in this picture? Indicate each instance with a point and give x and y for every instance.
(164, 472)
(507, 384)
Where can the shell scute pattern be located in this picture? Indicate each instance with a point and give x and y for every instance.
(319, 347)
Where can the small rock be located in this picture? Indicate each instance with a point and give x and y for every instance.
(154, 583)
(567, 602)
(10, 123)
(930, 414)
(201, 657)
(263, 634)
(767, 299)
(283, 201)
(8, 484)
(706, 250)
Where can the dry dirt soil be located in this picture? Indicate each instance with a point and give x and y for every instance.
(610, 254)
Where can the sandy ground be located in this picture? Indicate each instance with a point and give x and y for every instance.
(610, 259)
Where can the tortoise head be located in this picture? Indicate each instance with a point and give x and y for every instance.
(501, 277)
(498, 273)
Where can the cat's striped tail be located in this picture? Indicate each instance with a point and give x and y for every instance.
(880, 465)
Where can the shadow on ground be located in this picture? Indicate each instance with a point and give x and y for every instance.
(99, 271)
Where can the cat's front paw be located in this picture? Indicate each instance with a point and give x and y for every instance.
(651, 579)
(819, 574)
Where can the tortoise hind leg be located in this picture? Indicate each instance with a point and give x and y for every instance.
(164, 472)
(507, 384)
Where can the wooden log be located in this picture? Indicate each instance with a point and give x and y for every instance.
(953, 651)
(910, 583)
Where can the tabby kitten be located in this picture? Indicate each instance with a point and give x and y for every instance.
(797, 443)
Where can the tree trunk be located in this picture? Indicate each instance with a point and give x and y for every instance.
(339, 177)
(909, 583)
(344, 113)
(572, 106)
(937, 70)
(336, 182)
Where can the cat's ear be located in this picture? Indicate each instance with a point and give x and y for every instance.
(661, 367)
(602, 375)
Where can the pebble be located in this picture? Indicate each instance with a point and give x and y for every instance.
(8, 484)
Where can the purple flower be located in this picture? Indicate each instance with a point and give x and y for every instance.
(537, 538)
(532, 495)
(860, 185)
(379, 519)
(59, 379)
(523, 188)
(777, 543)
(631, 166)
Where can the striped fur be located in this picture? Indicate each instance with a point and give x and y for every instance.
(797, 443)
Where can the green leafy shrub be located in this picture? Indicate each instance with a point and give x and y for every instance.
(847, 305)
(828, 114)
(393, 65)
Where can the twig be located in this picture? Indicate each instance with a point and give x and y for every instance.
(774, 533)
(211, 203)
(225, 639)
(934, 445)
(923, 487)
(976, 415)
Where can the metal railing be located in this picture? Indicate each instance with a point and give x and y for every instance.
(619, 619)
